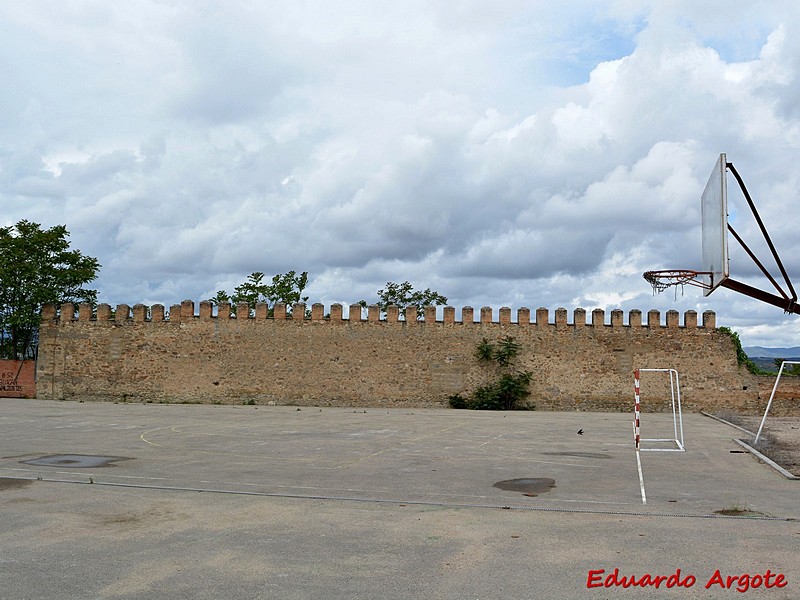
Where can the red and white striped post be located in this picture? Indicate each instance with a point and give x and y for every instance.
(636, 437)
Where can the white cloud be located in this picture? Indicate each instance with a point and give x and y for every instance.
(507, 153)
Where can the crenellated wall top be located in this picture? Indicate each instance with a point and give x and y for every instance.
(356, 314)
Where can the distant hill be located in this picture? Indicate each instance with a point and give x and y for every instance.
(764, 358)
(761, 352)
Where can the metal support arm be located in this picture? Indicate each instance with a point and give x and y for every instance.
(788, 305)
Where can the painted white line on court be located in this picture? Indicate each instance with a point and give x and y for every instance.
(641, 477)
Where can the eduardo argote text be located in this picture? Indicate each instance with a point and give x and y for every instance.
(599, 578)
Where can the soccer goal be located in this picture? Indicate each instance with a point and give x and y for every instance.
(676, 441)
(772, 396)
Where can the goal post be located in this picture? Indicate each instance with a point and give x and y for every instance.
(772, 396)
(677, 414)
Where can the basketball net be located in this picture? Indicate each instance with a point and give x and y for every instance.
(661, 280)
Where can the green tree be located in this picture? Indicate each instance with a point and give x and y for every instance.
(404, 295)
(793, 370)
(37, 267)
(286, 288)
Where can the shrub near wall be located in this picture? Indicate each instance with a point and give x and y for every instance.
(141, 355)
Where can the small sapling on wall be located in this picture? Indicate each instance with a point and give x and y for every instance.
(512, 387)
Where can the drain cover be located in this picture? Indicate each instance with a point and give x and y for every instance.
(530, 486)
(78, 461)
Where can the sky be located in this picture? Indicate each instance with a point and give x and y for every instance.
(511, 153)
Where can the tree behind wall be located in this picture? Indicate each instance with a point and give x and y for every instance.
(36, 267)
(285, 287)
(404, 295)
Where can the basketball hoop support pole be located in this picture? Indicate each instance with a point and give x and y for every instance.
(788, 305)
(761, 226)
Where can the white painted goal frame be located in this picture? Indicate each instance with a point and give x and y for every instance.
(677, 415)
(772, 395)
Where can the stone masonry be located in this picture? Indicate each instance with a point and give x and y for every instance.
(583, 363)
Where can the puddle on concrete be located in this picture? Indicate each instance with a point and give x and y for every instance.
(7, 483)
(578, 454)
(77, 461)
(529, 486)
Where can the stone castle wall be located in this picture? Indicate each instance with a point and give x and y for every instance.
(146, 354)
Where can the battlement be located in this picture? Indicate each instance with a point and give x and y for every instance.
(541, 317)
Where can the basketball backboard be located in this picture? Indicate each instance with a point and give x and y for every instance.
(716, 261)
(714, 207)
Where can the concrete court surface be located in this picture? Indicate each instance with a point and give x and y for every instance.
(202, 501)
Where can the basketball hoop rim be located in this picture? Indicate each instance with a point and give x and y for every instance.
(664, 278)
